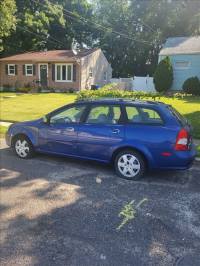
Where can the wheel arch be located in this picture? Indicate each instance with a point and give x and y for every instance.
(116, 151)
(19, 135)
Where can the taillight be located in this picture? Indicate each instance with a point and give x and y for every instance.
(182, 140)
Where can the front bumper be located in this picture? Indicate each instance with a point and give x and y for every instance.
(8, 139)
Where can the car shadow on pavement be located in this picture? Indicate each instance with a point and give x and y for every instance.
(158, 177)
(58, 211)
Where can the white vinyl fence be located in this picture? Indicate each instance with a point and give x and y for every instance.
(143, 84)
(136, 83)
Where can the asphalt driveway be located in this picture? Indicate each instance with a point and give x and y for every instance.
(58, 211)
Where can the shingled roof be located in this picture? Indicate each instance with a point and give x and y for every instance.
(53, 55)
(181, 45)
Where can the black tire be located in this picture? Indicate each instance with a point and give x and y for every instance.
(27, 152)
(138, 163)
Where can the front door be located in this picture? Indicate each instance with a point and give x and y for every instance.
(60, 134)
(43, 68)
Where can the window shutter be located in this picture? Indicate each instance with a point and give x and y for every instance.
(15, 69)
(74, 72)
(6, 69)
(24, 70)
(53, 72)
(33, 70)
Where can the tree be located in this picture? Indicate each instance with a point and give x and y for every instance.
(7, 19)
(146, 25)
(130, 32)
(163, 76)
(44, 24)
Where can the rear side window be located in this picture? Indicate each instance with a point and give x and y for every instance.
(104, 114)
(143, 115)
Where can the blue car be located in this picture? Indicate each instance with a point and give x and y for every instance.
(132, 135)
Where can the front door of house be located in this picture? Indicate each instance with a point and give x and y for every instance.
(43, 74)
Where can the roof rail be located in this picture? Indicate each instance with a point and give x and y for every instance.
(106, 99)
(119, 99)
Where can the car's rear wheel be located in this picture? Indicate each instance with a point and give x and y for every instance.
(23, 147)
(130, 164)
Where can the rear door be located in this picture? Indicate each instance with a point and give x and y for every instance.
(101, 132)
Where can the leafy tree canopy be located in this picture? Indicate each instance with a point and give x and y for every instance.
(7, 19)
(130, 32)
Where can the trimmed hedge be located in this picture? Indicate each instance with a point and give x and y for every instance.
(116, 93)
(111, 91)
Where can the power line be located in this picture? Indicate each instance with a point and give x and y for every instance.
(103, 28)
(84, 20)
(53, 41)
(139, 20)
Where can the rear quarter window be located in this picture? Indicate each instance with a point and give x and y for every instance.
(143, 115)
(182, 120)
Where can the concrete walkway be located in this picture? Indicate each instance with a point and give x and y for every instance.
(5, 124)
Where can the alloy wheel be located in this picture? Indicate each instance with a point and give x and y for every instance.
(128, 165)
(22, 148)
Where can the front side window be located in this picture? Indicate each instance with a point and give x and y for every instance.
(63, 72)
(104, 114)
(143, 115)
(11, 70)
(69, 115)
(29, 70)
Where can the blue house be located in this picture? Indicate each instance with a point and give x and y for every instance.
(184, 53)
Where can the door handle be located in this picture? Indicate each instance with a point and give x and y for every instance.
(70, 129)
(115, 131)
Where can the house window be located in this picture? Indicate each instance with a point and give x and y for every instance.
(182, 64)
(29, 70)
(105, 76)
(90, 73)
(11, 70)
(63, 72)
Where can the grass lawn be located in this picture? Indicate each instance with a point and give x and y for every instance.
(23, 107)
(3, 130)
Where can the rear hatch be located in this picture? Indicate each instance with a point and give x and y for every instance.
(183, 123)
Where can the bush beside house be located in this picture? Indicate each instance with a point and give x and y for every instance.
(192, 86)
(163, 76)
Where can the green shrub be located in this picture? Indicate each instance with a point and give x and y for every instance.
(192, 86)
(111, 91)
(7, 88)
(23, 90)
(163, 76)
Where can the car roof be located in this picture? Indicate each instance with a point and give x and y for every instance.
(120, 101)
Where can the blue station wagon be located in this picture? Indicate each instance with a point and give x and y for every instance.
(132, 135)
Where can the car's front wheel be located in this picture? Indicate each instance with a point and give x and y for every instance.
(23, 147)
(130, 165)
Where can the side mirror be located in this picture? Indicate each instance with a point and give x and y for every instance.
(45, 119)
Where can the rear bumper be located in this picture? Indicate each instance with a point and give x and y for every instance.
(179, 160)
(185, 159)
